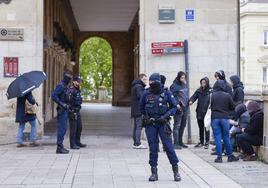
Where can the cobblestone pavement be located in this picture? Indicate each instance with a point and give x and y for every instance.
(248, 174)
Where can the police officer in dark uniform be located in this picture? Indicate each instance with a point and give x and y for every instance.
(59, 96)
(75, 101)
(157, 105)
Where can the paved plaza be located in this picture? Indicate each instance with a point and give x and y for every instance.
(110, 162)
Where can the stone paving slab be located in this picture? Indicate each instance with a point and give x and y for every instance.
(107, 162)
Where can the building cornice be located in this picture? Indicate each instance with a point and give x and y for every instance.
(253, 13)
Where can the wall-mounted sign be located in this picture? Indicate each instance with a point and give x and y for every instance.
(160, 48)
(166, 14)
(5, 1)
(11, 65)
(189, 15)
(13, 34)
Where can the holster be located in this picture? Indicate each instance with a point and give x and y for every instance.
(60, 109)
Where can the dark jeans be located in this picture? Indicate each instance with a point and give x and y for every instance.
(61, 127)
(246, 141)
(153, 132)
(220, 129)
(203, 131)
(137, 130)
(180, 119)
(75, 124)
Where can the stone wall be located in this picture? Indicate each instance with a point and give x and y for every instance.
(212, 40)
(20, 14)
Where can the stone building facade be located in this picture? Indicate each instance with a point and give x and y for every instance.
(211, 28)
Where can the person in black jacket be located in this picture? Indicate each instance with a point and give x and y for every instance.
(137, 90)
(220, 75)
(221, 105)
(253, 134)
(238, 89)
(180, 92)
(203, 96)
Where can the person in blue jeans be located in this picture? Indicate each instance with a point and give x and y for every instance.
(221, 104)
(22, 117)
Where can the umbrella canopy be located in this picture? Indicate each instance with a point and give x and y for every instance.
(25, 83)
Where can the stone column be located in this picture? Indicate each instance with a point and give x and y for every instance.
(264, 148)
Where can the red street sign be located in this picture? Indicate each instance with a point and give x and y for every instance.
(157, 51)
(11, 66)
(167, 44)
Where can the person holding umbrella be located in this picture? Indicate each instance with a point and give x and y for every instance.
(21, 88)
(59, 95)
(25, 114)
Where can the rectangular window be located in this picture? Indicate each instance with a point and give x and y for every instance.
(265, 38)
(264, 75)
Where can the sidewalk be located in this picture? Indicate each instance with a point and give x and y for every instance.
(107, 162)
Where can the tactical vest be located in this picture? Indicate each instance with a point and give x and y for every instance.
(75, 98)
(156, 105)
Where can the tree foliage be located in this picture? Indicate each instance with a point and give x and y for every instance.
(95, 66)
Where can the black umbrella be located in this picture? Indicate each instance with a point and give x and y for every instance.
(25, 83)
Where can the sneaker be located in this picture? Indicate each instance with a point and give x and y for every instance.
(21, 145)
(139, 147)
(242, 156)
(206, 146)
(34, 144)
(199, 145)
(177, 146)
(232, 158)
(184, 146)
(218, 160)
(213, 153)
(250, 158)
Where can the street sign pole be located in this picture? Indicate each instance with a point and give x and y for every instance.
(186, 61)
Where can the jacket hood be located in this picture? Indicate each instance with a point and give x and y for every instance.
(207, 83)
(66, 78)
(253, 107)
(177, 79)
(220, 74)
(236, 81)
(163, 79)
(240, 109)
(220, 85)
(137, 81)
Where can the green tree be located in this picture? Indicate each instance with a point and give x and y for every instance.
(95, 66)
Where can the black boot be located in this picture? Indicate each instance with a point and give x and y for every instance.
(177, 176)
(81, 145)
(61, 150)
(75, 147)
(154, 176)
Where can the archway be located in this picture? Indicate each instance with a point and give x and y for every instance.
(95, 62)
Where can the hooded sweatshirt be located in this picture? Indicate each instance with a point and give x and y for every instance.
(180, 91)
(203, 97)
(221, 102)
(222, 76)
(137, 91)
(238, 90)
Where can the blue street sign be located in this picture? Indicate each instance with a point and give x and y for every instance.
(189, 15)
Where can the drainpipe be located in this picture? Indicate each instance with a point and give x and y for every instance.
(238, 39)
(186, 61)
